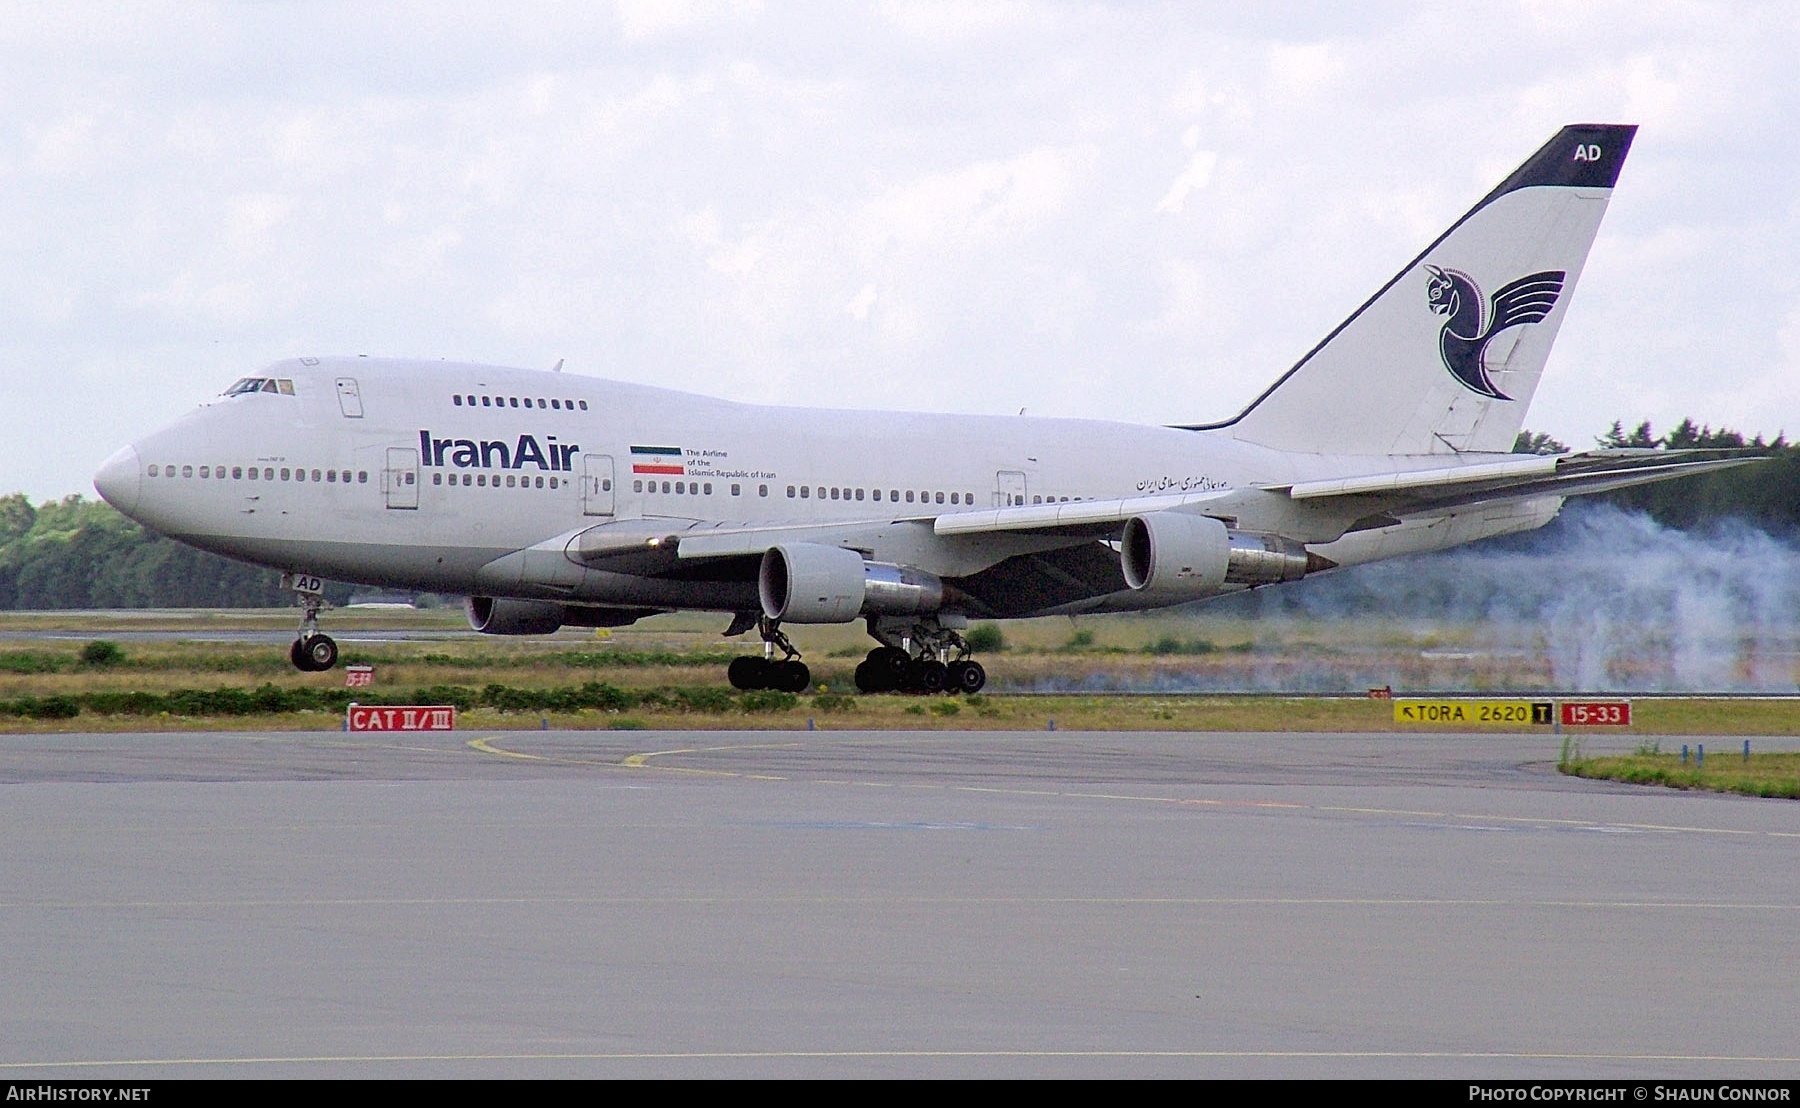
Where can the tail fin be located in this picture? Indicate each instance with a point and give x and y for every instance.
(1445, 358)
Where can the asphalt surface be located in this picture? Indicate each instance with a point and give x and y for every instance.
(872, 904)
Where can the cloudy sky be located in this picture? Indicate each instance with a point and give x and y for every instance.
(1137, 211)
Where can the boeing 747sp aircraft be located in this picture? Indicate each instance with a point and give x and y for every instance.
(550, 499)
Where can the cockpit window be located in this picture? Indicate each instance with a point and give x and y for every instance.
(283, 385)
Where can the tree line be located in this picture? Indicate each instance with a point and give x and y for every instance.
(1766, 495)
(79, 553)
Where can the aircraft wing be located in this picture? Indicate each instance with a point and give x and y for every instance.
(1354, 498)
(967, 541)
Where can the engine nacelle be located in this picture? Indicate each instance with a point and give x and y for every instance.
(1170, 552)
(815, 583)
(513, 617)
(1179, 554)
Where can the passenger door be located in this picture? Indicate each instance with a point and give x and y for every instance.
(1009, 488)
(400, 480)
(596, 484)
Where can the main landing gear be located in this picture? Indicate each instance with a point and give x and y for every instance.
(312, 652)
(912, 660)
(750, 672)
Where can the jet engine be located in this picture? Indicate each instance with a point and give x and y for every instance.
(814, 583)
(1173, 553)
(541, 617)
(513, 617)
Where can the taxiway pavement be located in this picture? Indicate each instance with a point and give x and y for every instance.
(498, 904)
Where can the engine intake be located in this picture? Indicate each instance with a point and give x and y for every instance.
(815, 583)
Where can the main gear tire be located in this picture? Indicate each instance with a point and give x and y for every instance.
(748, 673)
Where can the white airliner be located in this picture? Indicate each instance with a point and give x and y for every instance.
(551, 499)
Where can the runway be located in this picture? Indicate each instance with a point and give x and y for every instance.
(566, 904)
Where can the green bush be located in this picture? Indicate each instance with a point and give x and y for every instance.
(834, 702)
(1169, 644)
(30, 661)
(703, 698)
(49, 707)
(768, 700)
(100, 652)
(986, 636)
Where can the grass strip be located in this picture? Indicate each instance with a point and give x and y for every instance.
(1773, 774)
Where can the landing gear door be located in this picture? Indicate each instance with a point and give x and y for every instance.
(1009, 488)
(400, 480)
(596, 484)
(349, 398)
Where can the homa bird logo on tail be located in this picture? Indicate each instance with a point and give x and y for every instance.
(1463, 340)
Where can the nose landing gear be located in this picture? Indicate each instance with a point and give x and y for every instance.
(313, 651)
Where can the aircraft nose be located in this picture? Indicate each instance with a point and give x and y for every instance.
(117, 481)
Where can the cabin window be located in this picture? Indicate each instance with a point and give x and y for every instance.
(457, 400)
(485, 402)
(513, 402)
(737, 490)
(584, 405)
(940, 498)
(556, 404)
(708, 487)
(205, 472)
(875, 494)
(552, 482)
(805, 492)
(237, 473)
